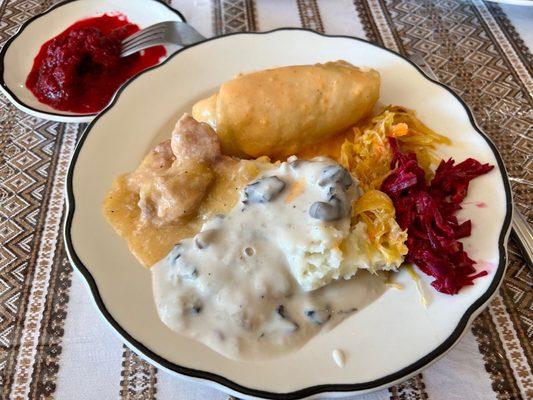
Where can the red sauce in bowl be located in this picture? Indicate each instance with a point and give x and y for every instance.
(80, 69)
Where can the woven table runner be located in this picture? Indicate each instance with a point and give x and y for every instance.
(53, 344)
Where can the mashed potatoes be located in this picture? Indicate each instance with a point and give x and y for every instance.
(264, 276)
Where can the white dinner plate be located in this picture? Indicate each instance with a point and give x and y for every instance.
(386, 342)
(18, 53)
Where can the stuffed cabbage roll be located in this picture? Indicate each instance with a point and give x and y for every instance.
(277, 112)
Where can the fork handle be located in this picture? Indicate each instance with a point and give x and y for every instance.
(522, 230)
(188, 35)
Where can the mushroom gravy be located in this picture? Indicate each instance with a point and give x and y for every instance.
(264, 279)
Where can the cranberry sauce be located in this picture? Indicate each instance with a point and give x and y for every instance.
(80, 69)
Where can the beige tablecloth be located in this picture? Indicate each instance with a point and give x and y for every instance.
(53, 343)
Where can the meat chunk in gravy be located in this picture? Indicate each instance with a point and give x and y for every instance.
(193, 140)
(174, 177)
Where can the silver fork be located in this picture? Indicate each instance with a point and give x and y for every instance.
(168, 32)
(521, 228)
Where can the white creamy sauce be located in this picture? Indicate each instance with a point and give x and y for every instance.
(262, 280)
(338, 357)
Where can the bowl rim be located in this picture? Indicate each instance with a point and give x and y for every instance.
(208, 377)
(74, 117)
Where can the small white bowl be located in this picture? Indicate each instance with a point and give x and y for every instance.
(17, 55)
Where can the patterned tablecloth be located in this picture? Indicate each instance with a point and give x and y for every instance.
(52, 341)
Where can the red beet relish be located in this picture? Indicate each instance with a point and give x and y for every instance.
(427, 211)
(80, 69)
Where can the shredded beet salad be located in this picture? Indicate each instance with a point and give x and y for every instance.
(427, 211)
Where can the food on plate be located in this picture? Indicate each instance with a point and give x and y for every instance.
(258, 279)
(254, 257)
(369, 154)
(377, 241)
(186, 180)
(395, 153)
(80, 69)
(426, 211)
(166, 198)
(173, 181)
(277, 112)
